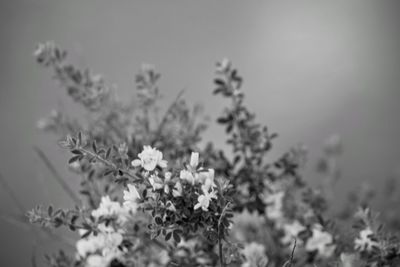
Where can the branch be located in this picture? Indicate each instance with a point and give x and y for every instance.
(165, 117)
(11, 193)
(109, 163)
(221, 257)
(56, 175)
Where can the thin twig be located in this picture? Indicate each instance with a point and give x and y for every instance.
(165, 117)
(221, 256)
(109, 164)
(15, 220)
(18, 221)
(289, 263)
(56, 175)
(33, 256)
(294, 248)
(11, 193)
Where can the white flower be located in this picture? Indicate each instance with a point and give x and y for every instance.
(320, 241)
(177, 191)
(204, 200)
(187, 175)
(156, 182)
(97, 261)
(347, 260)
(194, 160)
(364, 241)
(167, 177)
(130, 197)
(86, 246)
(105, 243)
(223, 66)
(207, 179)
(170, 206)
(107, 208)
(255, 255)
(203, 177)
(274, 209)
(149, 159)
(291, 232)
(75, 166)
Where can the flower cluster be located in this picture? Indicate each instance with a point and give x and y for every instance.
(152, 194)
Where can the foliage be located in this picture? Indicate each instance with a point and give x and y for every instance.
(153, 196)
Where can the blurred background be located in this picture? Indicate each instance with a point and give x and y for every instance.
(311, 69)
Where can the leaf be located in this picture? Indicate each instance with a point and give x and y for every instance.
(79, 142)
(50, 210)
(86, 234)
(168, 236)
(73, 219)
(94, 147)
(223, 120)
(218, 90)
(121, 180)
(154, 234)
(76, 152)
(90, 175)
(75, 158)
(144, 194)
(176, 236)
(158, 220)
(108, 153)
(108, 172)
(219, 82)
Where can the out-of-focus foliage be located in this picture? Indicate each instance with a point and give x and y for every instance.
(152, 195)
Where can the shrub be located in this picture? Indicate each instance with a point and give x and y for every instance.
(151, 195)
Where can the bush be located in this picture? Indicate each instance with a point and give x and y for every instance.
(151, 195)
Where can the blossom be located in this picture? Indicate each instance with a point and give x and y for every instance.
(170, 206)
(49, 122)
(106, 240)
(291, 231)
(365, 242)
(177, 191)
(274, 208)
(97, 261)
(167, 177)
(255, 255)
(207, 179)
(130, 197)
(113, 209)
(190, 173)
(46, 53)
(320, 241)
(149, 159)
(107, 208)
(159, 258)
(347, 260)
(123, 150)
(99, 250)
(204, 200)
(156, 182)
(247, 224)
(188, 176)
(223, 66)
(194, 160)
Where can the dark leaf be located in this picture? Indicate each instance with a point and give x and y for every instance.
(158, 220)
